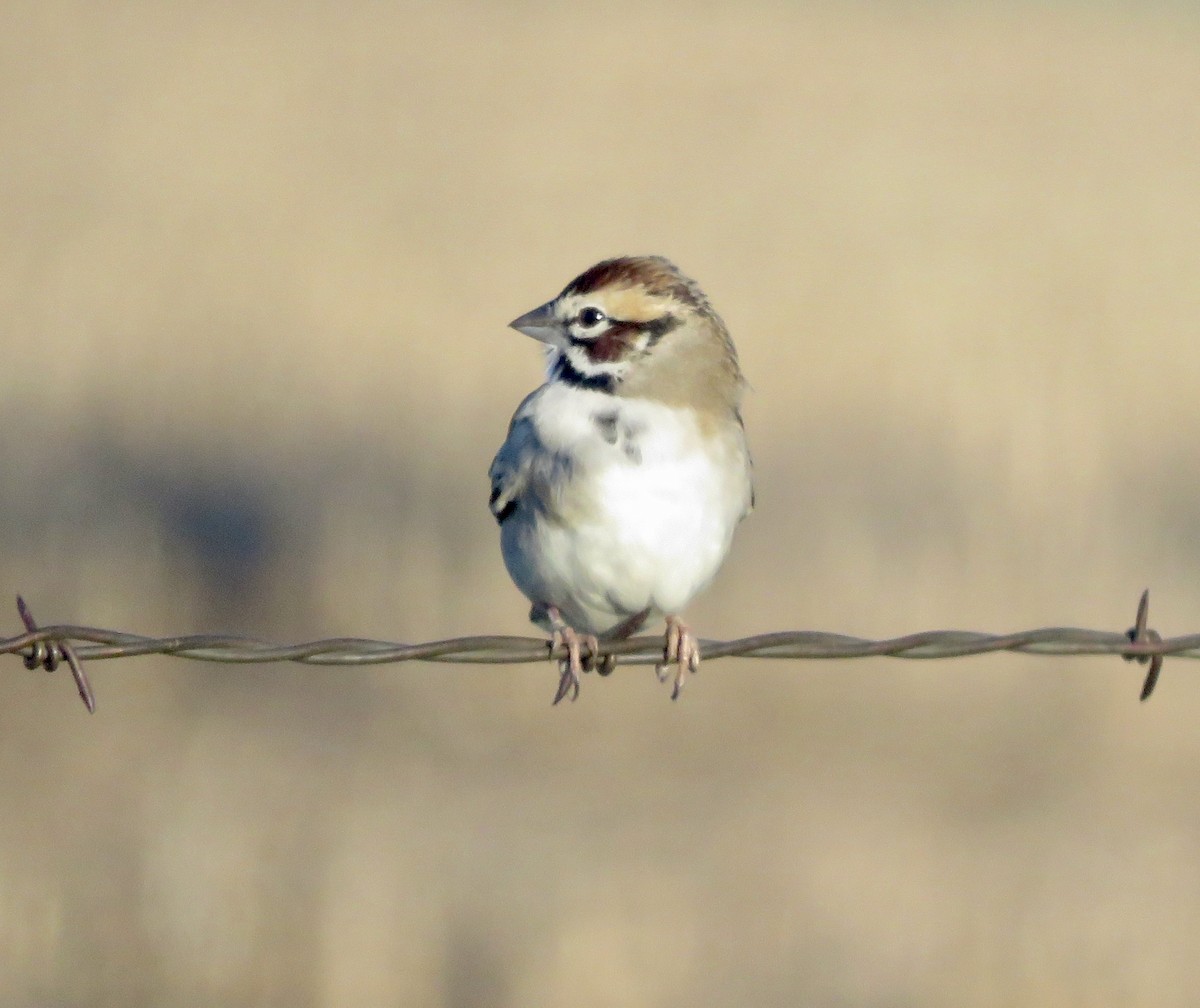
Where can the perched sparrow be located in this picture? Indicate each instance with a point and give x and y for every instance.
(624, 476)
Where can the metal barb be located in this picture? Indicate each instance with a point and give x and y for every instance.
(1140, 633)
(49, 653)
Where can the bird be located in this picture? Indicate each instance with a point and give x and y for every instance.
(623, 477)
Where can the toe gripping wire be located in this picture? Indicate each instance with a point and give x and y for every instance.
(49, 654)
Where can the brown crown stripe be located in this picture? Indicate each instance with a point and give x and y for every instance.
(657, 275)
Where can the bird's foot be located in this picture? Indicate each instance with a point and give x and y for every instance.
(572, 667)
(681, 654)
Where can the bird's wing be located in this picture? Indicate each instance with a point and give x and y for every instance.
(511, 468)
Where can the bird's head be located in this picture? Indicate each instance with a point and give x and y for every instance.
(636, 326)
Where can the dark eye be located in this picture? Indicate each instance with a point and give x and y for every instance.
(590, 317)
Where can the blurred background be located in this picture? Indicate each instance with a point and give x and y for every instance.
(256, 263)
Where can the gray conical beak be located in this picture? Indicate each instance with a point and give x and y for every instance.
(541, 325)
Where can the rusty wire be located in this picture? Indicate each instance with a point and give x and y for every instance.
(48, 646)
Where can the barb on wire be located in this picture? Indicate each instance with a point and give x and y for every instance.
(48, 652)
(1139, 633)
(47, 646)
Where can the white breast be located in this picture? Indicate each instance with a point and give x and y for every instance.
(643, 513)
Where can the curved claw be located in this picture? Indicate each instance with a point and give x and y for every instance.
(681, 652)
(568, 684)
(572, 667)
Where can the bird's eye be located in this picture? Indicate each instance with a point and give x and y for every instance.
(590, 317)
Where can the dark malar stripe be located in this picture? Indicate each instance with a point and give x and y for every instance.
(565, 371)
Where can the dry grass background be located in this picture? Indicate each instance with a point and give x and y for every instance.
(255, 266)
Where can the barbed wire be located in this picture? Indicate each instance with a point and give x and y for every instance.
(47, 647)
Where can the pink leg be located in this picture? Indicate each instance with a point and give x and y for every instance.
(682, 650)
(571, 667)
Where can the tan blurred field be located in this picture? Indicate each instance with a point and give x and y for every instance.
(255, 267)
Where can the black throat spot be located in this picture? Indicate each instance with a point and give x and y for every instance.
(567, 372)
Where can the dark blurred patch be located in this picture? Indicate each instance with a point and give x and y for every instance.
(243, 532)
(226, 525)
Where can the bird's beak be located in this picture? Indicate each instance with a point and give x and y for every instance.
(541, 325)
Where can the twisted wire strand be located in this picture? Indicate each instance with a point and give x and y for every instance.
(91, 644)
(46, 646)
